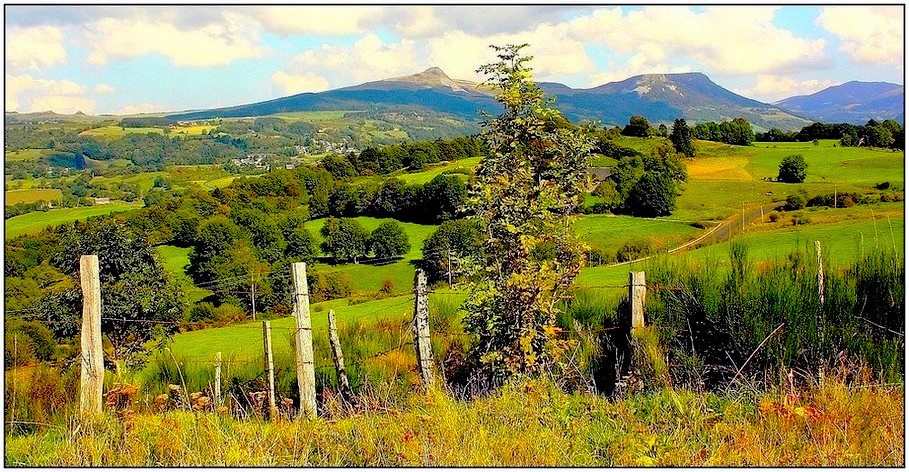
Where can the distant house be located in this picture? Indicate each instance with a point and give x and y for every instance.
(599, 174)
(289, 166)
(102, 200)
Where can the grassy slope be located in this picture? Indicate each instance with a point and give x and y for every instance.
(369, 277)
(36, 221)
(723, 177)
(175, 259)
(33, 195)
(113, 132)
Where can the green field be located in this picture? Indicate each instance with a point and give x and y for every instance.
(36, 221)
(369, 277)
(429, 174)
(114, 132)
(722, 177)
(26, 154)
(33, 195)
(612, 231)
(175, 259)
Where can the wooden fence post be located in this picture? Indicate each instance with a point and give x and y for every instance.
(421, 329)
(820, 272)
(306, 368)
(343, 383)
(637, 292)
(92, 382)
(218, 379)
(269, 368)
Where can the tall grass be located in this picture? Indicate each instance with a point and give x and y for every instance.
(752, 321)
(525, 424)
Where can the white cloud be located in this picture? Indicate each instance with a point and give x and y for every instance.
(298, 83)
(869, 35)
(25, 93)
(65, 104)
(772, 88)
(104, 89)
(555, 54)
(215, 44)
(368, 59)
(735, 40)
(326, 20)
(139, 108)
(31, 48)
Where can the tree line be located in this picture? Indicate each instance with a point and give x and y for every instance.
(885, 134)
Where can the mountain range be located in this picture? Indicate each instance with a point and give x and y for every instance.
(661, 98)
(853, 102)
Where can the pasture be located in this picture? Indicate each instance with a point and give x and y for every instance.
(112, 132)
(175, 259)
(26, 154)
(33, 195)
(36, 221)
(369, 276)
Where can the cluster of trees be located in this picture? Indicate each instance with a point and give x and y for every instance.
(737, 131)
(643, 185)
(885, 134)
(345, 240)
(412, 156)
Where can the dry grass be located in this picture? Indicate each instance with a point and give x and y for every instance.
(526, 424)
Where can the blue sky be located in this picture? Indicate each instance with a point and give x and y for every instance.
(132, 59)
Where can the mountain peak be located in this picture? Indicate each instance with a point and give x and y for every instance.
(431, 78)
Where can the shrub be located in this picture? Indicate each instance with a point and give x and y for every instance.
(795, 202)
(388, 286)
(800, 218)
(882, 186)
(634, 250)
(329, 285)
(203, 311)
(774, 217)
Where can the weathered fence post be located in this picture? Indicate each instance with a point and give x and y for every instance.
(421, 340)
(343, 383)
(218, 379)
(269, 368)
(637, 292)
(92, 383)
(306, 368)
(820, 273)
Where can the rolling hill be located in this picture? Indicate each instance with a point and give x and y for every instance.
(660, 97)
(853, 102)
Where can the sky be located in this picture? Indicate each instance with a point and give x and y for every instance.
(136, 59)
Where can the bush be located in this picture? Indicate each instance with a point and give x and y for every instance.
(634, 250)
(26, 342)
(795, 202)
(793, 169)
(774, 217)
(882, 186)
(329, 285)
(800, 218)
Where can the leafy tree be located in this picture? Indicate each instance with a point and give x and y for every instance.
(792, 169)
(139, 302)
(344, 239)
(389, 240)
(339, 167)
(681, 138)
(528, 189)
(444, 196)
(638, 126)
(453, 243)
(301, 245)
(652, 195)
(663, 130)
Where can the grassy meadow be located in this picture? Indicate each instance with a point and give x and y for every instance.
(36, 221)
(33, 195)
